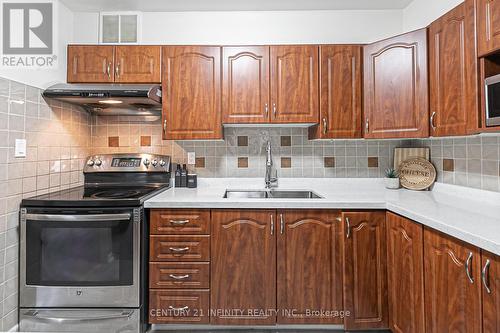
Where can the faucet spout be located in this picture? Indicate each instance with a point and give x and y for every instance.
(269, 180)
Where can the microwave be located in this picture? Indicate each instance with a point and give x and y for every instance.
(492, 93)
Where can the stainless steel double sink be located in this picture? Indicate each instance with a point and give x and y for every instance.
(270, 194)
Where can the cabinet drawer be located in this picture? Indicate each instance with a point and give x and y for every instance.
(179, 275)
(175, 222)
(178, 306)
(179, 248)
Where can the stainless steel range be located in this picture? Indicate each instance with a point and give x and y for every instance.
(84, 250)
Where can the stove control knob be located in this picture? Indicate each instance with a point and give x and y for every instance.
(162, 163)
(146, 162)
(154, 163)
(98, 162)
(90, 162)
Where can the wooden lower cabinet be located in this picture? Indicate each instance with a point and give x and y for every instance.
(310, 245)
(405, 272)
(491, 292)
(452, 284)
(365, 270)
(243, 267)
(179, 306)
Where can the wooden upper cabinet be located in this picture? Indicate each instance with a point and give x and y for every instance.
(137, 64)
(310, 245)
(488, 26)
(340, 93)
(491, 292)
(90, 64)
(396, 101)
(454, 73)
(245, 84)
(191, 88)
(365, 270)
(452, 284)
(294, 84)
(405, 271)
(243, 266)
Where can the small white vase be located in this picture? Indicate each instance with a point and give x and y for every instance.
(391, 183)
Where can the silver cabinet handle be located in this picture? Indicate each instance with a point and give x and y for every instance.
(108, 70)
(179, 249)
(266, 109)
(339, 219)
(348, 234)
(468, 268)
(179, 222)
(178, 277)
(165, 126)
(36, 314)
(485, 275)
(282, 224)
(325, 126)
(117, 70)
(367, 125)
(274, 110)
(78, 218)
(433, 115)
(184, 308)
(272, 225)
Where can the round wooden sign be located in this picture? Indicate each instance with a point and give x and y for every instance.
(417, 174)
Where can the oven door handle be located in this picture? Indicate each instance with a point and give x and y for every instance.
(78, 218)
(36, 314)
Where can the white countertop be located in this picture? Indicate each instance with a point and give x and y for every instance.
(467, 214)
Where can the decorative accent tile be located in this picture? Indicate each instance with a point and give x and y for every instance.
(242, 162)
(286, 162)
(242, 141)
(286, 141)
(114, 141)
(329, 162)
(448, 165)
(145, 140)
(373, 162)
(200, 162)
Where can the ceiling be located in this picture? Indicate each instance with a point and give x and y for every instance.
(230, 5)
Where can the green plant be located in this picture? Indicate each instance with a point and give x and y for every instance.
(391, 173)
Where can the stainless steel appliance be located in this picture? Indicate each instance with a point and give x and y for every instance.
(83, 251)
(110, 99)
(492, 93)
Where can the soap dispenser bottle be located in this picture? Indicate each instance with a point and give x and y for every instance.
(184, 174)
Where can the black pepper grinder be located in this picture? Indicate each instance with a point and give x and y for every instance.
(184, 174)
(178, 176)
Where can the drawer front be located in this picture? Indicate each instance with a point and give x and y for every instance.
(179, 248)
(179, 275)
(179, 306)
(180, 222)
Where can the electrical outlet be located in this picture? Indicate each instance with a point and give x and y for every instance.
(192, 158)
(20, 150)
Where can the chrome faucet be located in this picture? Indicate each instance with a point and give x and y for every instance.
(270, 181)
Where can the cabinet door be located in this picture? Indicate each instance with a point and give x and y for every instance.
(452, 284)
(137, 64)
(294, 84)
(396, 98)
(90, 64)
(310, 245)
(191, 93)
(243, 267)
(245, 84)
(491, 292)
(340, 93)
(365, 271)
(405, 261)
(453, 73)
(488, 26)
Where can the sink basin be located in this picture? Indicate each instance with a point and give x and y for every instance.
(271, 194)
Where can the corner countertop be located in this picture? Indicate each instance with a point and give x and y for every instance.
(468, 214)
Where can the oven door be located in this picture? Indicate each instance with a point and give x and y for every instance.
(80, 258)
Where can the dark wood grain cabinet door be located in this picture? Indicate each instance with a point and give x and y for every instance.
(191, 88)
(245, 84)
(365, 270)
(340, 93)
(90, 64)
(453, 73)
(310, 245)
(243, 267)
(137, 64)
(396, 101)
(405, 261)
(491, 292)
(452, 284)
(488, 26)
(294, 84)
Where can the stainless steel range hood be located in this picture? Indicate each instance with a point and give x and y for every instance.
(110, 99)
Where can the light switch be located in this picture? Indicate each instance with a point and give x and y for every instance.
(20, 150)
(192, 158)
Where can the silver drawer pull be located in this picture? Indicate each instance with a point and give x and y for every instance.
(184, 308)
(178, 277)
(63, 320)
(179, 222)
(485, 276)
(179, 249)
(468, 268)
